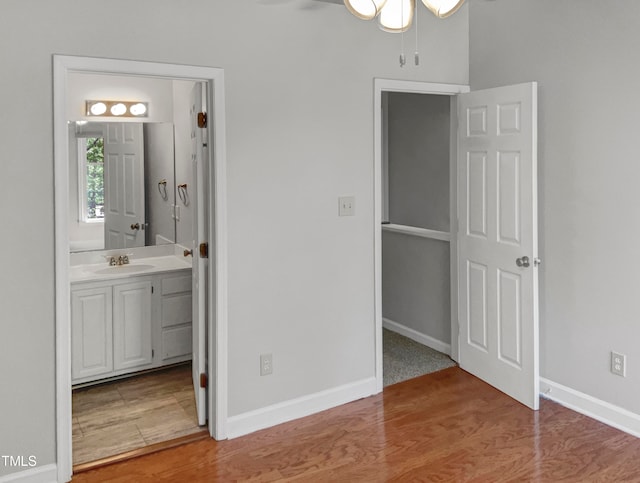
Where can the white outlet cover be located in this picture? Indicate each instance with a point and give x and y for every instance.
(346, 206)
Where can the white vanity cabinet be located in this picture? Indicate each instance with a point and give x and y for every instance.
(125, 325)
(92, 332)
(176, 319)
(132, 325)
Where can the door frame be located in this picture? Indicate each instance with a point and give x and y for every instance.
(217, 278)
(414, 87)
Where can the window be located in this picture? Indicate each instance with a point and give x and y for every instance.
(91, 182)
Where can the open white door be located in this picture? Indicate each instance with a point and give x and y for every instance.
(124, 215)
(200, 266)
(497, 238)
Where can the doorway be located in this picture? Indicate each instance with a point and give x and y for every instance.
(441, 239)
(493, 241)
(416, 206)
(215, 300)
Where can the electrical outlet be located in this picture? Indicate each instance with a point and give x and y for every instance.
(266, 364)
(618, 364)
(346, 206)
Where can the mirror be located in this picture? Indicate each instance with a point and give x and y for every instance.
(122, 185)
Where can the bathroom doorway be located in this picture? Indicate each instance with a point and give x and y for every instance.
(212, 344)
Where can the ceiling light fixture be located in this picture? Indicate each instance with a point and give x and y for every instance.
(117, 109)
(396, 16)
(391, 10)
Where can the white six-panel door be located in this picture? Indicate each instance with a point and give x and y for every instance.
(199, 267)
(497, 238)
(124, 214)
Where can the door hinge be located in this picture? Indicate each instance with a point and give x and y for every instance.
(204, 380)
(152, 289)
(204, 250)
(202, 120)
(152, 353)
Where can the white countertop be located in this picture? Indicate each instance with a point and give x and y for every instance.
(147, 266)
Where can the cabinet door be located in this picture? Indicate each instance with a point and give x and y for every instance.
(91, 332)
(132, 324)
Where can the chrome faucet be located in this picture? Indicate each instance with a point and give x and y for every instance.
(117, 261)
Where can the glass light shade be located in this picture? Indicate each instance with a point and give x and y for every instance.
(443, 8)
(98, 108)
(118, 109)
(364, 9)
(397, 15)
(138, 109)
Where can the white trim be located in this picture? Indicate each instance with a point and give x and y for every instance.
(595, 408)
(390, 85)
(38, 474)
(415, 231)
(218, 328)
(416, 336)
(298, 408)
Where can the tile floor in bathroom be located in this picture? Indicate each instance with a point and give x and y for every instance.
(132, 413)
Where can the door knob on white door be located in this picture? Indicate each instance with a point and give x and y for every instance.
(522, 262)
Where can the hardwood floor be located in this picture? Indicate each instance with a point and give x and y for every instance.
(133, 413)
(445, 426)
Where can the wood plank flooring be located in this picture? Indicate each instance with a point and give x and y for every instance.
(445, 426)
(133, 413)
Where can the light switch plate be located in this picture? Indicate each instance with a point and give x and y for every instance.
(346, 206)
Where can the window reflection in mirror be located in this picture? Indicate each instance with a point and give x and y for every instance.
(109, 194)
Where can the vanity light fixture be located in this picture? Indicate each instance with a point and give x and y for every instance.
(117, 109)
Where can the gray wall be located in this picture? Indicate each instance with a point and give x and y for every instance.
(418, 140)
(184, 163)
(415, 271)
(299, 96)
(416, 281)
(584, 57)
(158, 165)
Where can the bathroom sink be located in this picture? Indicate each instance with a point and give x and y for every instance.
(132, 268)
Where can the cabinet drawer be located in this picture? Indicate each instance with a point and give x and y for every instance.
(176, 310)
(176, 342)
(176, 285)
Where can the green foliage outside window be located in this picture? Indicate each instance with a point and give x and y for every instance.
(95, 178)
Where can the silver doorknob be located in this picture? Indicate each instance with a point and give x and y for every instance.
(135, 226)
(522, 262)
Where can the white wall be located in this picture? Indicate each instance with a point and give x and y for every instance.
(584, 58)
(299, 134)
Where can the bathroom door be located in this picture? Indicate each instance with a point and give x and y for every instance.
(200, 265)
(124, 214)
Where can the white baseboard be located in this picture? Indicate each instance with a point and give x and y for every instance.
(297, 408)
(597, 409)
(412, 334)
(41, 474)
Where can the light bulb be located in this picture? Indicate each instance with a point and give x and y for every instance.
(118, 109)
(397, 15)
(364, 9)
(98, 109)
(138, 109)
(443, 8)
